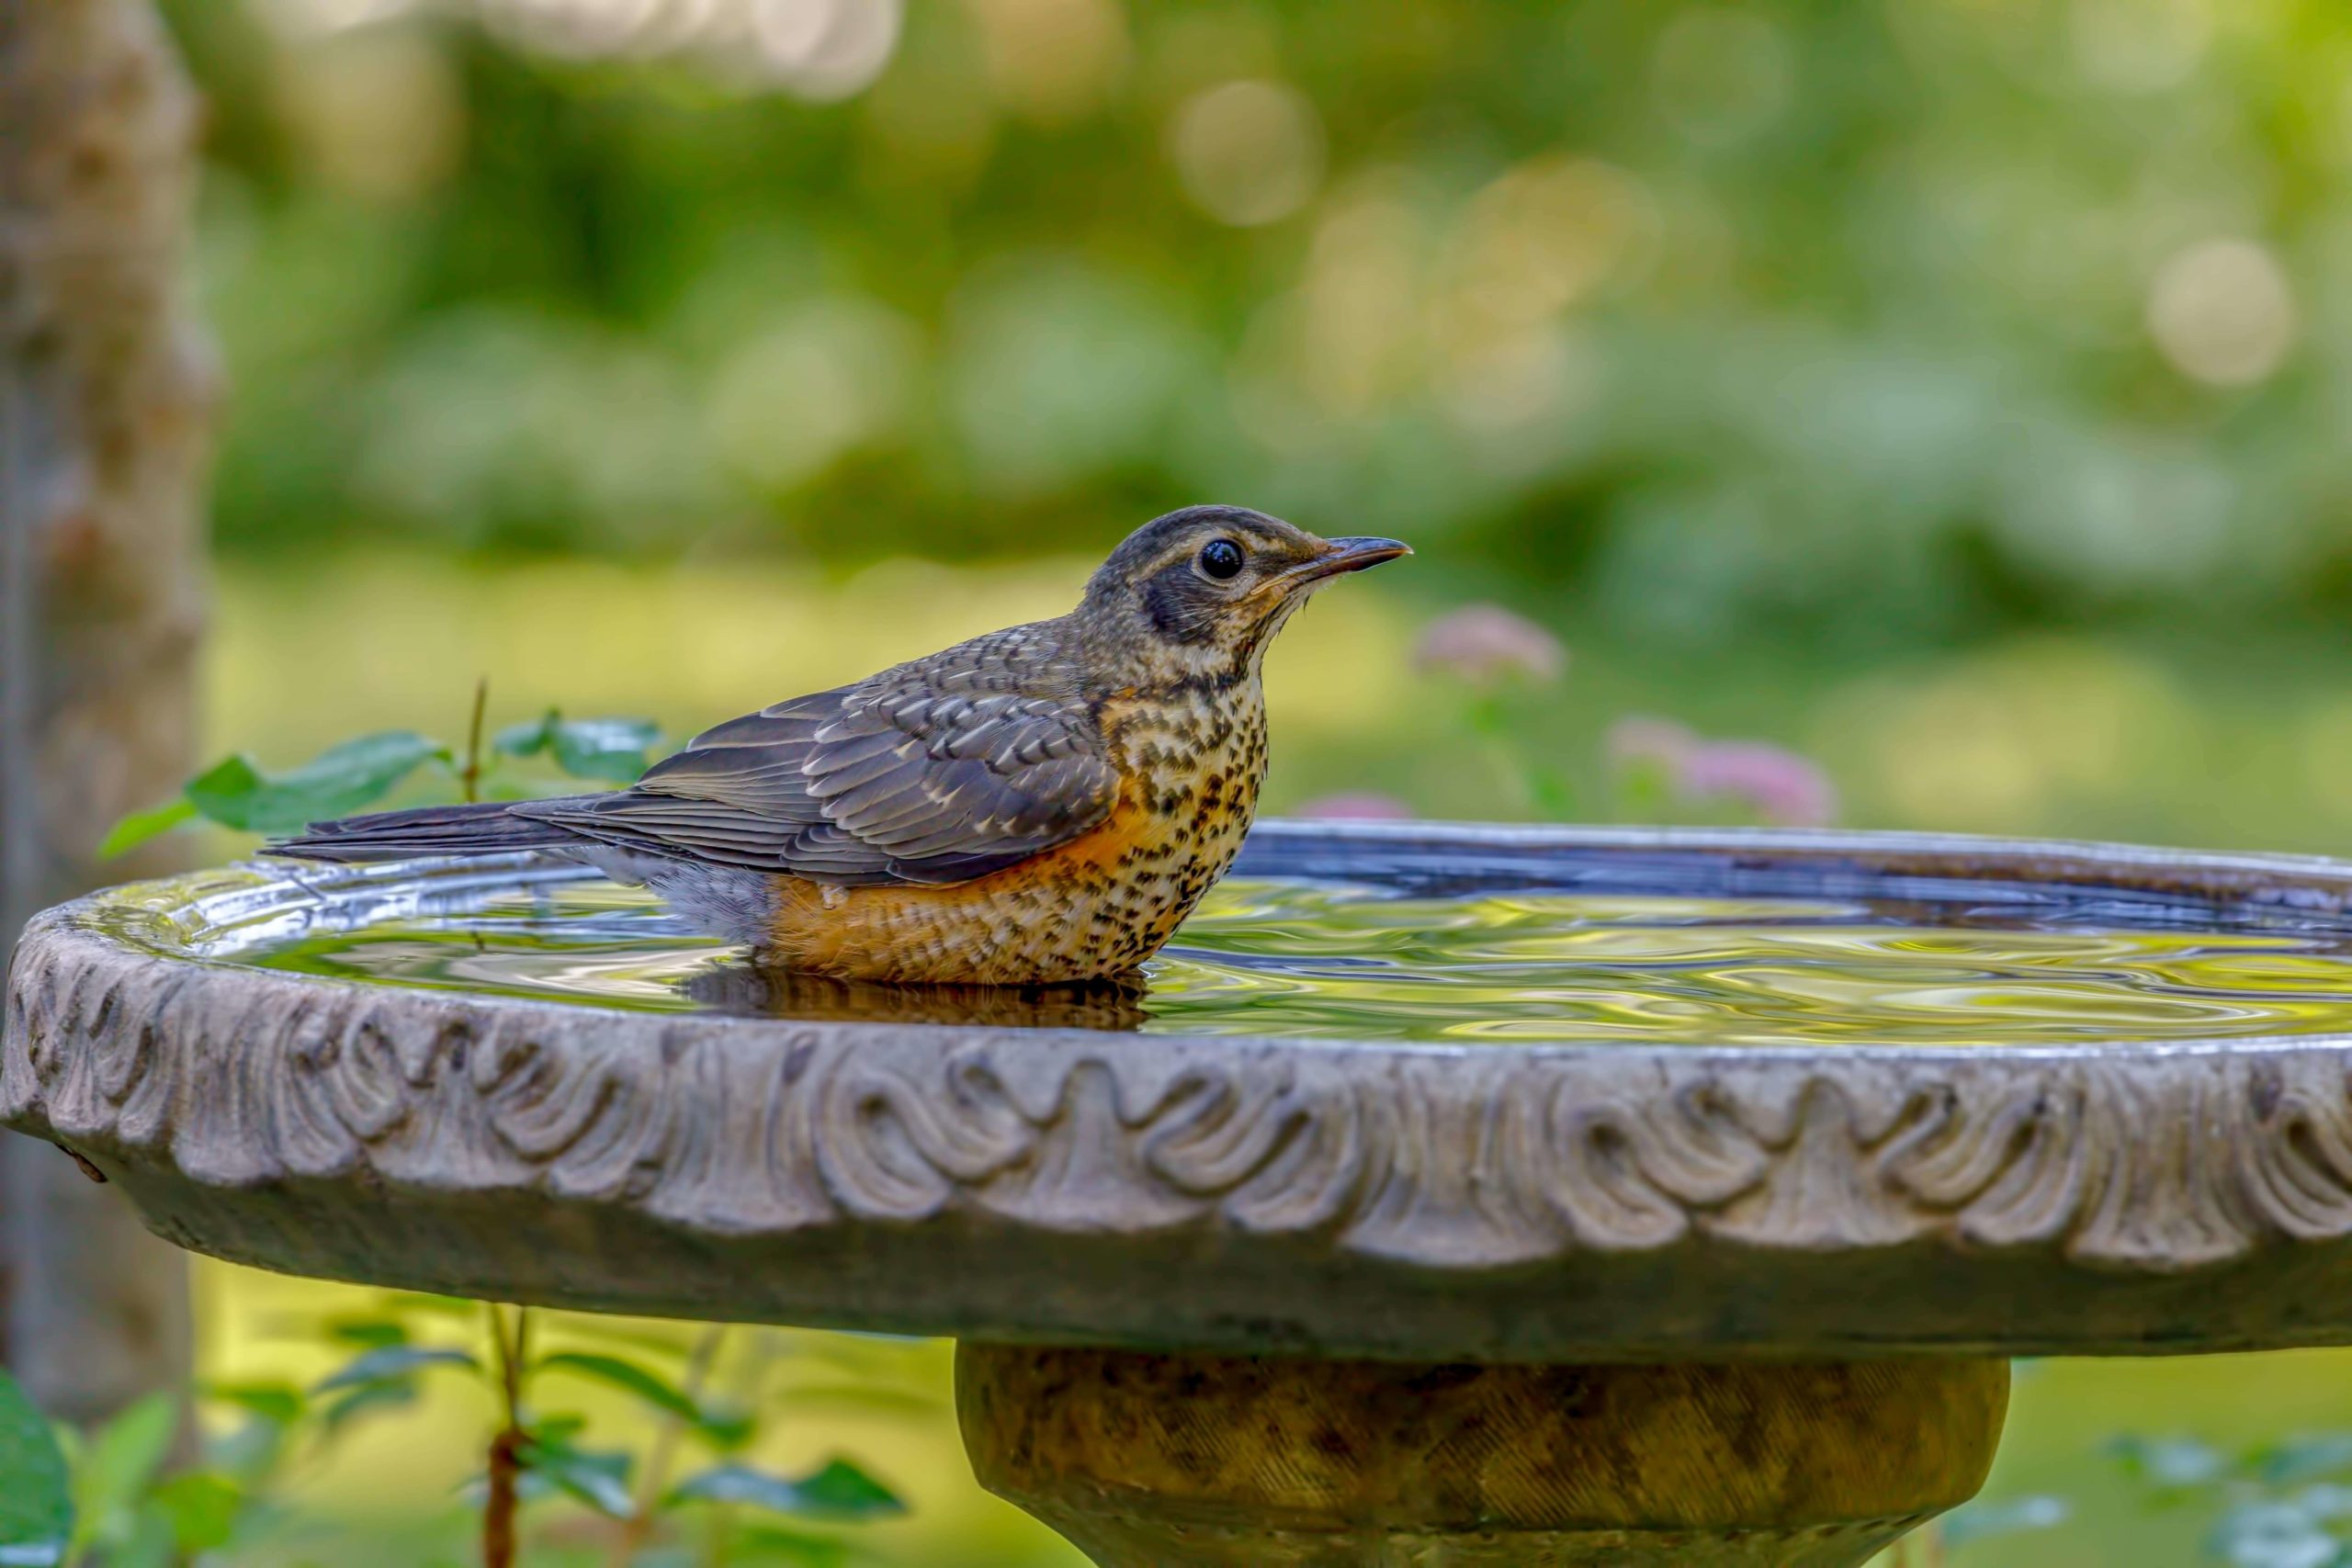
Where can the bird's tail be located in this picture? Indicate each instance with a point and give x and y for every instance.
(490, 827)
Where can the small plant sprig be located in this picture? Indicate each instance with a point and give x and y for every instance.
(538, 1452)
(1498, 655)
(1663, 771)
(112, 1496)
(239, 792)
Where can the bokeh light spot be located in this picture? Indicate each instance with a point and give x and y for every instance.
(379, 113)
(2222, 312)
(826, 378)
(2140, 46)
(1248, 153)
(1053, 61)
(1544, 236)
(814, 49)
(1722, 75)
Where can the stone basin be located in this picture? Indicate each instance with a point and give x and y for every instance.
(1228, 1299)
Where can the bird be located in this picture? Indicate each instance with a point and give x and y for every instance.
(1042, 804)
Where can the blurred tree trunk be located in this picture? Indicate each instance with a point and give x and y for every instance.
(105, 393)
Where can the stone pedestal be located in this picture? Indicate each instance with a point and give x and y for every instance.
(1199, 1462)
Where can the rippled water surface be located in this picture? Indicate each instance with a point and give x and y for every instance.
(1320, 959)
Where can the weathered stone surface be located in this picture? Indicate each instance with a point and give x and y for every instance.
(1526, 1204)
(1144, 1460)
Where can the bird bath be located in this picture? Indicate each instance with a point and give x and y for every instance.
(1498, 1197)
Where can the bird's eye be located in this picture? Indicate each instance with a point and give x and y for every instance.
(1221, 559)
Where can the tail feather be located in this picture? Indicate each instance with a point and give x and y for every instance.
(490, 828)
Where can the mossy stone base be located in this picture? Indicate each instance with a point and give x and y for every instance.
(1200, 1462)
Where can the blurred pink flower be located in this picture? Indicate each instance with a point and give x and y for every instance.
(1361, 806)
(1774, 783)
(1485, 644)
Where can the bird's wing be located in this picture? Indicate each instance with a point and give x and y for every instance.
(936, 771)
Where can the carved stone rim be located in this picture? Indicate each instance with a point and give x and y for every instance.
(1545, 1202)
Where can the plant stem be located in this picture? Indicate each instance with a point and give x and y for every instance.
(716, 1536)
(1539, 788)
(469, 777)
(654, 1479)
(506, 1448)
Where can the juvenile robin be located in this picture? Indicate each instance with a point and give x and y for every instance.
(1041, 803)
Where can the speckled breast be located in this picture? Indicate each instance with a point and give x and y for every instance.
(1189, 762)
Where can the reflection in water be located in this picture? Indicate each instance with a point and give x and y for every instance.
(1321, 959)
(732, 986)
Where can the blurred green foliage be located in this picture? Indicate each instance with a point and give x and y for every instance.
(36, 1494)
(1894, 320)
(685, 1486)
(2282, 1502)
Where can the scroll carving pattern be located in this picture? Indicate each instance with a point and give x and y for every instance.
(2156, 1158)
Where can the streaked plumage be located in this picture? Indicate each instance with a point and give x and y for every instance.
(1044, 802)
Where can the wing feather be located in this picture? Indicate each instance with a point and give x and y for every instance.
(936, 771)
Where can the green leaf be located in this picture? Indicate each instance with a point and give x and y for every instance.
(121, 1461)
(247, 1453)
(2305, 1458)
(629, 1377)
(35, 1497)
(528, 738)
(364, 1399)
(140, 826)
(611, 750)
(202, 1507)
(2171, 1462)
(280, 1404)
(842, 1490)
(373, 1334)
(838, 1490)
(729, 1426)
(556, 1431)
(146, 1543)
(599, 1479)
(393, 1363)
(342, 779)
(2273, 1535)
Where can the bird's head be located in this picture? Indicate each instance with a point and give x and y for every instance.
(1199, 594)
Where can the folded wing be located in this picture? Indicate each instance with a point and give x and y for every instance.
(937, 772)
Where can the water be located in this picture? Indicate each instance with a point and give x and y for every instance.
(1339, 960)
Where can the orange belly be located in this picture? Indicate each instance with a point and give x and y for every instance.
(1093, 908)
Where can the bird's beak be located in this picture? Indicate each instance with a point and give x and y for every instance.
(1343, 555)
